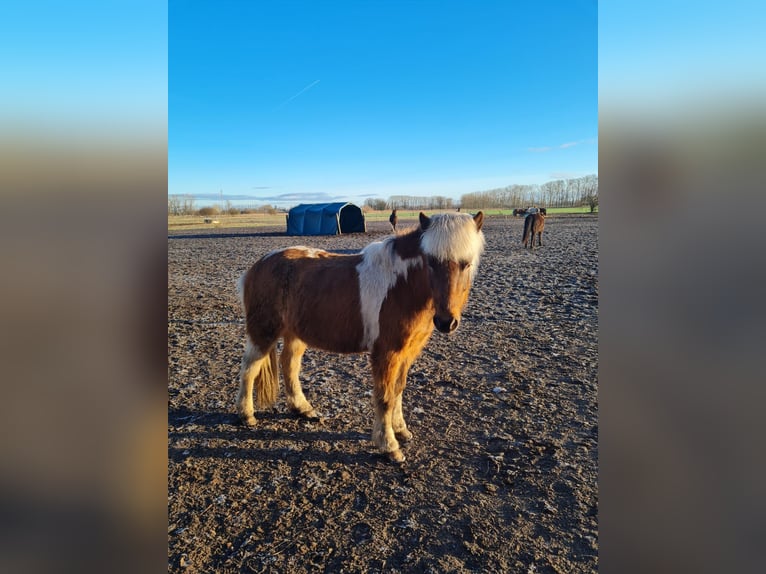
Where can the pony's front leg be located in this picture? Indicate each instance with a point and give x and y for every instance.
(292, 354)
(400, 427)
(387, 390)
(383, 430)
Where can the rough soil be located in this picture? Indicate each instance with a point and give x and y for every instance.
(501, 475)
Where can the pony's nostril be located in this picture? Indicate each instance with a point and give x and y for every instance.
(446, 325)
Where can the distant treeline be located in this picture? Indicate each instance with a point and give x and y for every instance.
(558, 193)
(184, 205)
(409, 202)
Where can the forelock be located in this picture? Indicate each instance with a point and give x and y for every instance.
(453, 237)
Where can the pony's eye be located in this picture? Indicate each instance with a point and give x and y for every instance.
(464, 265)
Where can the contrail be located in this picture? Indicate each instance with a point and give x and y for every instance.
(291, 98)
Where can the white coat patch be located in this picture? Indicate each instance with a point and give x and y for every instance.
(379, 271)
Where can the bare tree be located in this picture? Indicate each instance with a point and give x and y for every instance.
(174, 205)
(592, 202)
(180, 204)
(375, 203)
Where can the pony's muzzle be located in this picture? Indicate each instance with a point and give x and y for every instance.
(446, 325)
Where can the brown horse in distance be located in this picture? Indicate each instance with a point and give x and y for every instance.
(534, 224)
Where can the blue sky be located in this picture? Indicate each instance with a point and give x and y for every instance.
(665, 56)
(299, 101)
(353, 99)
(93, 66)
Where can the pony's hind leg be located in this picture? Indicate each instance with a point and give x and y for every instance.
(291, 366)
(252, 362)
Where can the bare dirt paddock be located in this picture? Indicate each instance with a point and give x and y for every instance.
(501, 473)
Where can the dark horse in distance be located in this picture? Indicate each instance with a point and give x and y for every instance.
(534, 224)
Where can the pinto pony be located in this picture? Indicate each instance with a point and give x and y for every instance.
(385, 300)
(534, 223)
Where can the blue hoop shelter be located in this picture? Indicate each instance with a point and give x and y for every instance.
(325, 219)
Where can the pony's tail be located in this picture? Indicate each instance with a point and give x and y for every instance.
(527, 229)
(267, 382)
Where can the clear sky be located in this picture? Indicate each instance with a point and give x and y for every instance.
(95, 66)
(668, 55)
(292, 101)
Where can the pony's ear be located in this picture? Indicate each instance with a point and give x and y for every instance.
(479, 220)
(425, 221)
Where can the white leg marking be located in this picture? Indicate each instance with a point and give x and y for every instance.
(251, 364)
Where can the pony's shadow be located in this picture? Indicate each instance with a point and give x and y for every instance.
(226, 427)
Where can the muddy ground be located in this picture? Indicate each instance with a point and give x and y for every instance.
(501, 475)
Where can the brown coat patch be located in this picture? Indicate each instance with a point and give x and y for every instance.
(315, 299)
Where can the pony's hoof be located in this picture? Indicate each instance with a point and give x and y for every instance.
(247, 420)
(404, 435)
(310, 414)
(395, 456)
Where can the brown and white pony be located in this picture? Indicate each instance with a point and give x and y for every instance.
(384, 300)
(534, 224)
